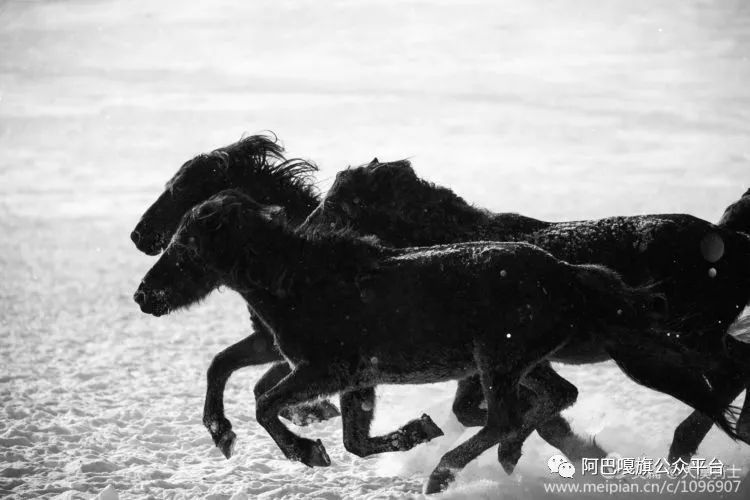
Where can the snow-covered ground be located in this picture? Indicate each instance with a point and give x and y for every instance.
(559, 110)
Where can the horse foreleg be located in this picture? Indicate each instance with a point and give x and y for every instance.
(305, 382)
(544, 395)
(254, 349)
(467, 402)
(357, 412)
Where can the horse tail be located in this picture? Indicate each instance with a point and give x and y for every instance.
(652, 363)
(737, 215)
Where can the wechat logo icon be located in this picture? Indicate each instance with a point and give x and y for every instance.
(558, 464)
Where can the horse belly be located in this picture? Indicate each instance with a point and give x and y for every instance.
(581, 352)
(425, 367)
(427, 374)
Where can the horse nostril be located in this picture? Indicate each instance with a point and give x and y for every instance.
(135, 236)
(139, 297)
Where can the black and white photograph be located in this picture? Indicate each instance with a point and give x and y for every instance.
(394, 249)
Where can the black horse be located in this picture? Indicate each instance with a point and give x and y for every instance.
(702, 269)
(348, 314)
(258, 164)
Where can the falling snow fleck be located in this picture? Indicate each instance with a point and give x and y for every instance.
(712, 272)
(508, 335)
(503, 273)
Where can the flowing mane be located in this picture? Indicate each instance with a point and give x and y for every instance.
(260, 159)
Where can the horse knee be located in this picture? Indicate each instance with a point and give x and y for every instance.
(459, 409)
(473, 416)
(565, 396)
(258, 390)
(264, 413)
(216, 367)
(466, 404)
(557, 396)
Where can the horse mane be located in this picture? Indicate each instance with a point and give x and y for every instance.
(261, 158)
(323, 234)
(436, 195)
(323, 244)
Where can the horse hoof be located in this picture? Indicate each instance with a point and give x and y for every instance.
(439, 481)
(315, 455)
(508, 465)
(675, 456)
(508, 454)
(429, 428)
(306, 414)
(417, 431)
(327, 410)
(226, 443)
(743, 428)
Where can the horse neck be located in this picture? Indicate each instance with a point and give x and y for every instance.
(464, 222)
(297, 204)
(444, 221)
(291, 255)
(297, 262)
(271, 188)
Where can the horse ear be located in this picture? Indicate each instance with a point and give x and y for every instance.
(274, 213)
(374, 162)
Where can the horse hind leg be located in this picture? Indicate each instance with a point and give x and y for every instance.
(545, 394)
(467, 402)
(499, 385)
(358, 410)
(691, 431)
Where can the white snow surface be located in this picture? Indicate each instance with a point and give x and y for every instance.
(559, 110)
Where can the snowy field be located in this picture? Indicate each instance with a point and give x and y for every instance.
(559, 110)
